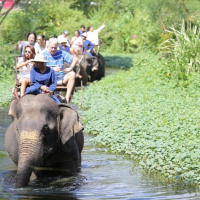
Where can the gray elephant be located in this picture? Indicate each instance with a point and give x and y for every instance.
(90, 67)
(44, 137)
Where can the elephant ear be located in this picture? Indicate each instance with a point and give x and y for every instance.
(69, 123)
(14, 108)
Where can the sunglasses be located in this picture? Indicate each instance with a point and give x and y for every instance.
(28, 52)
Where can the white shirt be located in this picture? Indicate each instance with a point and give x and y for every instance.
(61, 37)
(40, 49)
(25, 70)
(94, 36)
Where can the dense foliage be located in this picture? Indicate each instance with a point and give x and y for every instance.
(149, 119)
(7, 62)
(130, 25)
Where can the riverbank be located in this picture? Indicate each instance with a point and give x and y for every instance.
(142, 114)
(6, 94)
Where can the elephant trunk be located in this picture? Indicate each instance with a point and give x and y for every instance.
(30, 151)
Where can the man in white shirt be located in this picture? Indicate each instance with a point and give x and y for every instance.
(64, 35)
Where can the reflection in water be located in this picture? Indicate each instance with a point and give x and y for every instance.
(103, 176)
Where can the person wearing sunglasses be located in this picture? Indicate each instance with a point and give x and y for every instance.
(24, 65)
(41, 45)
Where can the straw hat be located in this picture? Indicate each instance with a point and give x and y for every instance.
(63, 40)
(84, 34)
(39, 58)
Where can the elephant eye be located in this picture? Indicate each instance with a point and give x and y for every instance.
(45, 129)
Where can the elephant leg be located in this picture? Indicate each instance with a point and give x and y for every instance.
(71, 157)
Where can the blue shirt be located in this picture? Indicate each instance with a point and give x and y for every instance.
(58, 60)
(87, 45)
(47, 78)
(80, 32)
(67, 49)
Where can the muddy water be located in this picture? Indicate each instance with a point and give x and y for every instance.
(103, 176)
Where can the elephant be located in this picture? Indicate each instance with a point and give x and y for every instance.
(44, 137)
(92, 67)
(101, 64)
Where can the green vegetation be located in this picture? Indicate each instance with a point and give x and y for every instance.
(7, 62)
(151, 120)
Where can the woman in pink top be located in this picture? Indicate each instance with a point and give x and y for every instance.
(76, 44)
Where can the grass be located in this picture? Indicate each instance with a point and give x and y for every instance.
(165, 136)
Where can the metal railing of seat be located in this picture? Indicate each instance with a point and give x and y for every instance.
(15, 68)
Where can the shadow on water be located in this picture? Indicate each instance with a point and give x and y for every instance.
(118, 61)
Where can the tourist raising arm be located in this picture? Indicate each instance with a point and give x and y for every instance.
(31, 38)
(92, 35)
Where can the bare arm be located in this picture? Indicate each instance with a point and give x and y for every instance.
(17, 45)
(81, 41)
(19, 65)
(101, 27)
(75, 60)
(72, 41)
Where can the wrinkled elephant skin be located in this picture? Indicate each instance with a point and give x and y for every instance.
(92, 67)
(44, 137)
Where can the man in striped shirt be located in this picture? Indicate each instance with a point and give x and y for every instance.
(56, 59)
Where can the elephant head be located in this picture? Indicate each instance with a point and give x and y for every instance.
(87, 65)
(38, 124)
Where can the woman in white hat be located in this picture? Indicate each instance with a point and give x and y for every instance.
(87, 45)
(64, 45)
(43, 78)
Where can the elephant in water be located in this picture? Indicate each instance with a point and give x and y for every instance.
(44, 137)
(92, 67)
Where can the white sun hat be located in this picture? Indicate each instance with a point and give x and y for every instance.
(39, 58)
(63, 40)
(84, 34)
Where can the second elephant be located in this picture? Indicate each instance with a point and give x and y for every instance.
(90, 68)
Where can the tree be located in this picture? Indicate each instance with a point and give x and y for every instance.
(5, 13)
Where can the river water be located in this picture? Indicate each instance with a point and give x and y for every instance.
(103, 176)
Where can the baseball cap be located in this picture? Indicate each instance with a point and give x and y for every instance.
(65, 32)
